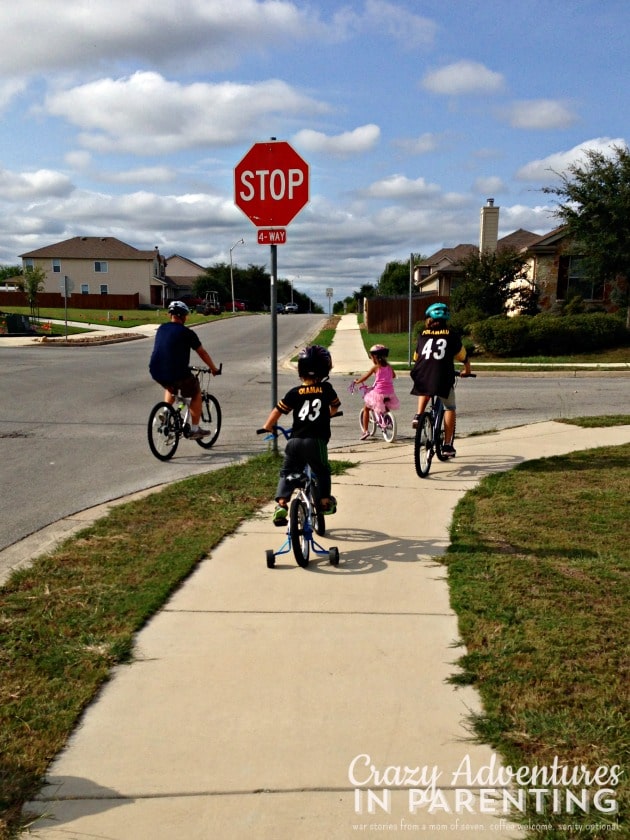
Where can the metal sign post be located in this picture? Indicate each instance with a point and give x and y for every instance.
(271, 186)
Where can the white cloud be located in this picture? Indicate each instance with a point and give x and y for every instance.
(490, 185)
(541, 114)
(400, 187)
(463, 77)
(543, 171)
(147, 114)
(361, 139)
(421, 145)
(407, 28)
(210, 33)
(33, 185)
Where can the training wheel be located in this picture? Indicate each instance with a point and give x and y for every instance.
(271, 558)
(333, 555)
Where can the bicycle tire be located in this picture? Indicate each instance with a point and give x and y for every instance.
(389, 427)
(163, 431)
(423, 445)
(371, 426)
(298, 530)
(210, 419)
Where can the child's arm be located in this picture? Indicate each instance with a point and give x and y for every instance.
(272, 420)
(370, 372)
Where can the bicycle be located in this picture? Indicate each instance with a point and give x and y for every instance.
(168, 423)
(429, 438)
(305, 516)
(385, 421)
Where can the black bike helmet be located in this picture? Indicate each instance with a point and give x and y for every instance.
(438, 311)
(314, 362)
(178, 307)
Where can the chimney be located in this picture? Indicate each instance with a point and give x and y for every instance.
(489, 228)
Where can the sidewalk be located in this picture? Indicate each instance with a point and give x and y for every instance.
(258, 699)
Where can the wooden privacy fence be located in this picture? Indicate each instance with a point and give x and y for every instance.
(391, 314)
(54, 300)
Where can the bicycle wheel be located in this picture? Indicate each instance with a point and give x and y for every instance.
(371, 426)
(210, 419)
(163, 431)
(299, 528)
(389, 427)
(423, 447)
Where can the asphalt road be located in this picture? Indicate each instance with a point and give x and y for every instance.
(73, 419)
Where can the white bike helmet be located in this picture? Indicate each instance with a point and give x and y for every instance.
(178, 307)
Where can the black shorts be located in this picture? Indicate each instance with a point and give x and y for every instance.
(187, 387)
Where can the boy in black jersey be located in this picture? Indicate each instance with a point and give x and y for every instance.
(433, 372)
(313, 403)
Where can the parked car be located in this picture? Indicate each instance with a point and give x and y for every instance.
(239, 306)
(291, 307)
(191, 301)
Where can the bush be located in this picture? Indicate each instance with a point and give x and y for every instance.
(550, 335)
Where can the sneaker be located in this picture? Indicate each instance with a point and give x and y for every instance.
(448, 450)
(280, 516)
(331, 506)
(415, 421)
(199, 433)
(365, 435)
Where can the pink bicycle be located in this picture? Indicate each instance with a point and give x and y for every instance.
(385, 421)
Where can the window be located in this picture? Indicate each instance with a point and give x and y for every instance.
(85, 289)
(104, 288)
(56, 266)
(28, 264)
(573, 280)
(100, 267)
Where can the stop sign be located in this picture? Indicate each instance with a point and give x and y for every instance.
(271, 184)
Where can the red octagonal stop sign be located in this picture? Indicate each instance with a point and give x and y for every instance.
(271, 184)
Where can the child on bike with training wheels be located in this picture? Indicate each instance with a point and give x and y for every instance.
(433, 372)
(381, 396)
(313, 403)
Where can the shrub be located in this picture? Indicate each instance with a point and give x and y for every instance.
(549, 334)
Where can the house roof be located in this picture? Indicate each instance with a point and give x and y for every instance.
(517, 240)
(186, 260)
(89, 248)
(548, 240)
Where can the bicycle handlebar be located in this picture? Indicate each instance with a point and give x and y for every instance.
(277, 430)
(207, 370)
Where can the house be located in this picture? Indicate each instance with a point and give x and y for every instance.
(182, 274)
(438, 274)
(552, 263)
(100, 267)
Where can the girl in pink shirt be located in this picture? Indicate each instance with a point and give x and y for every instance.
(381, 397)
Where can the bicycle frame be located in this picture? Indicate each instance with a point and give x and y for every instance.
(385, 421)
(304, 518)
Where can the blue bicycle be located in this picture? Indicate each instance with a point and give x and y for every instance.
(305, 516)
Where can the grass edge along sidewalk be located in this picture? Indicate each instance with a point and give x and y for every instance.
(538, 573)
(70, 617)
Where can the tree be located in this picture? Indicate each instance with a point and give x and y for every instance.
(595, 206)
(31, 283)
(395, 279)
(10, 272)
(489, 282)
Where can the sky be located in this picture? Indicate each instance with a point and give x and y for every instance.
(127, 118)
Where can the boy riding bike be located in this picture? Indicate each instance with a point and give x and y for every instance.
(313, 403)
(433, 373)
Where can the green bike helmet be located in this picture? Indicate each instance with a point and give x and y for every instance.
(438, 311)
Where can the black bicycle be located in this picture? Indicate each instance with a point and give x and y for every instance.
(305, 516)
(168, 423)
(429, 440)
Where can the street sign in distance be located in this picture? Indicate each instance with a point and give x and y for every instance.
(271, 184)
(268, 236)
(67, 286)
